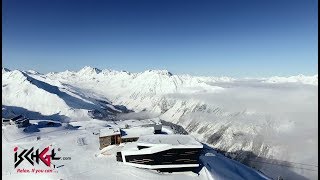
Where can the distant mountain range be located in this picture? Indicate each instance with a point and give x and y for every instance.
(245, 118)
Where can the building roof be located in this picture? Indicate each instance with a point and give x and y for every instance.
(136, 132)
(173, 140)
(160, 142)
(109, 132)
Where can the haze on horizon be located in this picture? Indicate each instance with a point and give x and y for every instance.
(217, 38)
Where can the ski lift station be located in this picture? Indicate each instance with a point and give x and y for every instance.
(163, 152)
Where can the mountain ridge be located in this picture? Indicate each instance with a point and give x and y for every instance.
(91, 71)
(233, 115)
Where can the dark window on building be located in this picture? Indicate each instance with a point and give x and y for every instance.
(172, 156)
(142, 147)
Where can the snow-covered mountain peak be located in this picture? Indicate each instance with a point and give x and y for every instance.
(88, 70)
(126, 72)
(4, 70)
(158, 72)
(106, 71)
(234, 115)
(15, 75)
(32, 72)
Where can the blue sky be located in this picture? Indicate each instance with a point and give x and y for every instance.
(222, 37)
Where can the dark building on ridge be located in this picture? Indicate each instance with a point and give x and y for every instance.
(163, 152)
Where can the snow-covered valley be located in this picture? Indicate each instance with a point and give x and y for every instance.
(266, 123)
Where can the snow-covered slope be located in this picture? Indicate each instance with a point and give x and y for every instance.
(31, 94)
(4, 70)
(77, 141)
(246, 118)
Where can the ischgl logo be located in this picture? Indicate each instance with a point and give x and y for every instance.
(34, 156)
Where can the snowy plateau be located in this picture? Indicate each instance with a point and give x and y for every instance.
(251, 128)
